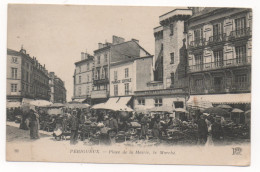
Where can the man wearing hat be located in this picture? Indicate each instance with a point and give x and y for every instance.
(217, 131)
(202, 130)
(74, 128)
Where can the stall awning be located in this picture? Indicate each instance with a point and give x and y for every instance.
(243, 98)
(79, 100)
(112, 101)
(13, 104)
(124, 100)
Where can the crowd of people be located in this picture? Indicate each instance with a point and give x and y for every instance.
(84, 123)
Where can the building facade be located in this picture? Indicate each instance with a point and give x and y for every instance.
(58, 91)
(109, 53)
(26, 77)
(219, 51)
(170, 84)
(83, 78)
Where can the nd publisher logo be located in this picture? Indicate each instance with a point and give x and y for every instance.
(237, 151)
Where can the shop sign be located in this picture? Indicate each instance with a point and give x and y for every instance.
(126, 80)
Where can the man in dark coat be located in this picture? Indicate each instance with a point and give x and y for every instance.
(217, 131)
(74, 128)
(202, 130)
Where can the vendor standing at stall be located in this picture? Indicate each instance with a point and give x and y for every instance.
(74, 128)
(34, 124)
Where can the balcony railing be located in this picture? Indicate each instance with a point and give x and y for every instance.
(198, 43)
(160, 92)
(220, 64)
(217, 38)
(101, 81)
(240, 33)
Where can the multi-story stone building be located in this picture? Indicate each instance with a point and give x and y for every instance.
(27, 79)
(83, 79)
(128, 76)
(219, 53)
(109, 53)
(170, 85)
(58, 90)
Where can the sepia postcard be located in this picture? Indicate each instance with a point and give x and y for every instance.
(129, 84)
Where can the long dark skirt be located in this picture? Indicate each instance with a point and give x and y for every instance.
(34, 130)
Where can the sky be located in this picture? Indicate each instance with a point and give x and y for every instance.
(57, 34)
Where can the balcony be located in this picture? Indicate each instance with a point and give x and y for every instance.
(100, 81)
(241, 33)
(96, 94)
(155, 85)
(220, 64)
(198, 43)
(217, 39)
(159, 92)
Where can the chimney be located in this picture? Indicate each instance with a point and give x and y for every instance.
(117, 40)
(82, 56)
(100, 45)
(135, 40)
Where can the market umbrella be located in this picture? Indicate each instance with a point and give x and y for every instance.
(142, 108)
(236, 110)
(216, 111)
(248, 112)
(180, 110)
(56, 105)
(40, 103)
(76, 105)
(224, 106)
(167, 109)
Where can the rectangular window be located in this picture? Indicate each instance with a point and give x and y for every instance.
(98, 73)
(198, 83)
(198, 35)
(87, 66)
(241, 81)
(103, 74)
(218, 58)
(126, 73)
(79, 69)
(240, 23)
(198, 59)
(240, 54)
(79, 91)
(127, 89)
(172, 58)
(178, 104)
(158, 102)
(14, 60)
(141, 101)
(105, 58)
(217, 29)
(106, 73)
(172, 79)
(13, 88)
(93, 73)
(98, 60)
(115, 90)
(171, 29)
(115, 75)
(14, 73)
(88, 78)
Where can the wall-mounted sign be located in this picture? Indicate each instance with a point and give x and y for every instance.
(116, 82)
(126, 80)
